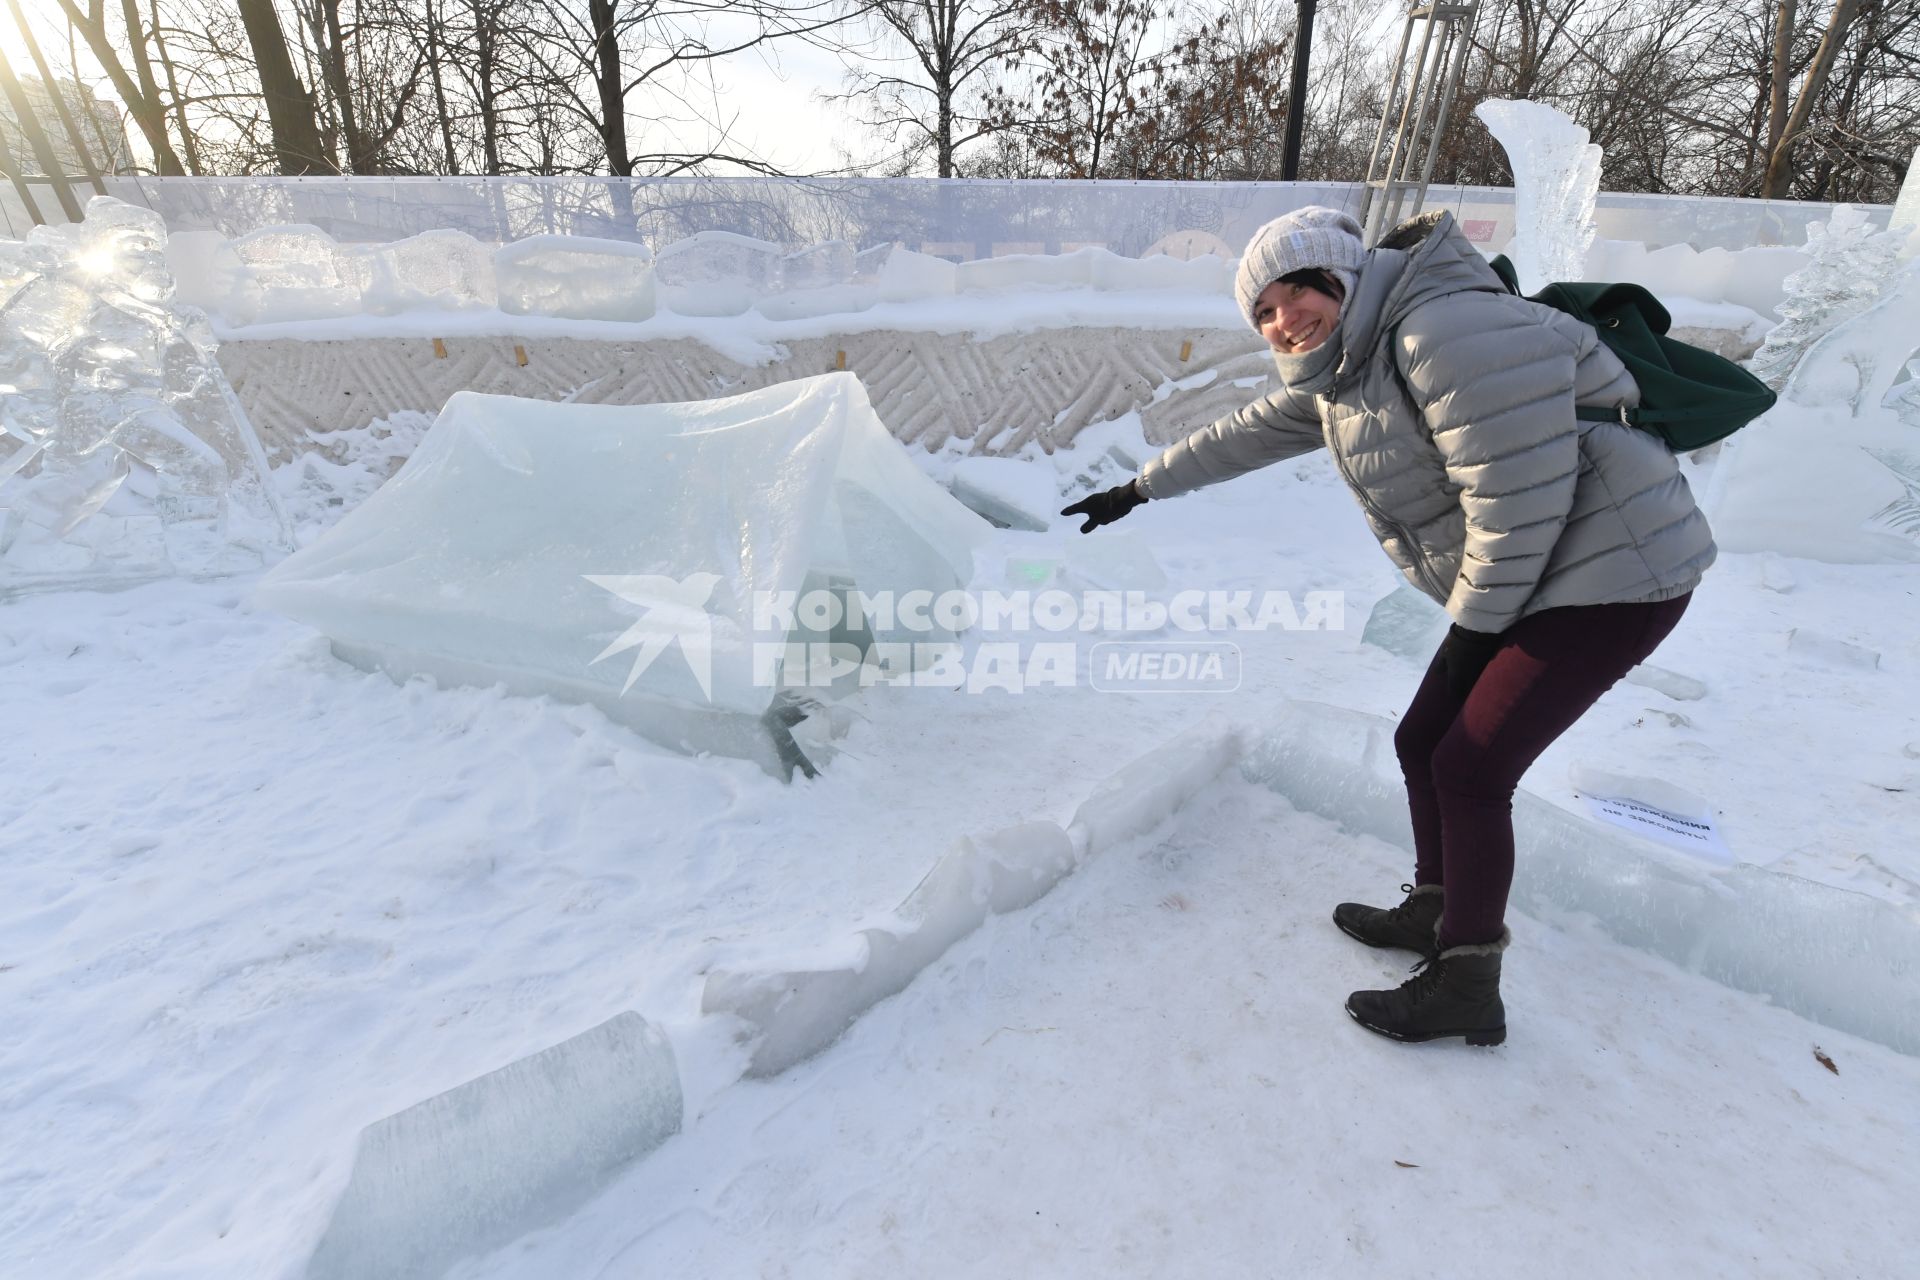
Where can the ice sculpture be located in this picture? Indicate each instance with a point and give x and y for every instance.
(1905, 218)
(1832, 473)
(1851, 261)
(906, 276)
(575, 276)
(1556, 178)
(483, 1164)
(717, 273)
(1841, 959)
(1856, 362)
(646, 559)
(1818, 483)
(441, 270)
(817, 281)
(123, 454)
(292, 273)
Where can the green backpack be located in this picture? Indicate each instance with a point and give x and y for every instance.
(1688, 397)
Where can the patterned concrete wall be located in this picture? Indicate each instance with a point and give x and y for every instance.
(1000, 394)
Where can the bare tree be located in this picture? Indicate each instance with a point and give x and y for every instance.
(141, 95)
(290, 107)
(1087, 70)
(931, 91)
(618, 62)
(1784, 138)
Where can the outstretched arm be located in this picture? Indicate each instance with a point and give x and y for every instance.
(1271, 429)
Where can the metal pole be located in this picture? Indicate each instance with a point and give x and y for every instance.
(37, 139)
(1297, 95)
(1380, 136)
(11, 167)
(1390, 204)
(1463, 40)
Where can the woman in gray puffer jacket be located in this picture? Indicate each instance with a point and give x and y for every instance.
(1564, 551)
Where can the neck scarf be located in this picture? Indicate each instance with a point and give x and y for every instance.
(1311, 371)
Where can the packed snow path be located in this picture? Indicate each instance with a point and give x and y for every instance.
(1149, 1073)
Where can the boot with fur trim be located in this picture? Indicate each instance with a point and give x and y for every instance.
(1411, 926)
(1454, 993)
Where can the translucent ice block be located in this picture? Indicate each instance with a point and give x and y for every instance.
(1556, 180)
(479, 1165)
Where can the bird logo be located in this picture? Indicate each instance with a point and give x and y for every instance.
(670, 609)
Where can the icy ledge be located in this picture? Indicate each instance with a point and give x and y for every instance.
(475, 1167)
(1841, 959)
(793, 1011)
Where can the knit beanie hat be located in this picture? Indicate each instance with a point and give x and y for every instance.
(1315, 236)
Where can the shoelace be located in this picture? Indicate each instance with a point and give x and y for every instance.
(1428, 973)
(1400, 913)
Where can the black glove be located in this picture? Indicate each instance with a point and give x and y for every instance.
(1464, 655)
(1105, 508)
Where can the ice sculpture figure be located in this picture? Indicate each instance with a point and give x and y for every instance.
(1851, 261)
(633, 557)
(123, 454)
(575, 276)
(1556, 179)
(1856, 361)
(1829, 473)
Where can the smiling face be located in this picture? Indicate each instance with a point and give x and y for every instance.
(1294, 318)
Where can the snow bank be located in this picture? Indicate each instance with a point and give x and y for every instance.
(1841, 959)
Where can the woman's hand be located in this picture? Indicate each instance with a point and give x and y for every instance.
(1105, 508)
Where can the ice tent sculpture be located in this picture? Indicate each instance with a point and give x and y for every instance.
(123, 454)
(627, 556)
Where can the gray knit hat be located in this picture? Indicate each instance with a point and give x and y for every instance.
(1315, 236)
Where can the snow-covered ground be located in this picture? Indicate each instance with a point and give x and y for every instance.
(257, 899)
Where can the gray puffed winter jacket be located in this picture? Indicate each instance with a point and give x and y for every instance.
(1450, 414)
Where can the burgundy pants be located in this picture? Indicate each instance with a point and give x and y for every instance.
(1462, 762)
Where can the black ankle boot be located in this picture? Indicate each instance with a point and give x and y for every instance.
(1409, 926)
(1455, 993)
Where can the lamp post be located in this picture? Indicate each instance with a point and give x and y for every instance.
(1297, 95)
